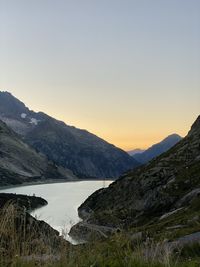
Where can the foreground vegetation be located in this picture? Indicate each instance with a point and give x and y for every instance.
(113, 253)
(25, 246)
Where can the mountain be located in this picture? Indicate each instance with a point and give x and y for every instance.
(20, 163)
(78, 150)
(161, 198)
(157, 149)
(135, 151)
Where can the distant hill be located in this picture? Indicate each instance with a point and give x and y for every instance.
(78, 150)
(20, 163)
(157, 149)
(135, 151)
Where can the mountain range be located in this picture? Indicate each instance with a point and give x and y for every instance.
(135, 151)
(85, 154)
(157, 149)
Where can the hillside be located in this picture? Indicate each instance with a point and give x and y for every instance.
(157, 149)
(19, 163)
(160, 198)
(78, 150)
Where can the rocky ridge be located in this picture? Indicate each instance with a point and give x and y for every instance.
(85, 154)
(160, 197)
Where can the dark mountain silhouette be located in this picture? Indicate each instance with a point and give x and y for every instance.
(78, 150)
(157, 149)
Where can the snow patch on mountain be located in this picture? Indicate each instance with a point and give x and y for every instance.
(34, 121)
(23, 115)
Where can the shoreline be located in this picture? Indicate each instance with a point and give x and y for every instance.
(53, 181)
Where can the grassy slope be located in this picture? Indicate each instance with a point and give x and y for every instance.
(116, 252)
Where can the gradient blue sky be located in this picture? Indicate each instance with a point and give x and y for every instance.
(126, 70)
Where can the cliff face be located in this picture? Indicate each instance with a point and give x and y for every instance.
(85, 154)
(20, 163)
(168, 184)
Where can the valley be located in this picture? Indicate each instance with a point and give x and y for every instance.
(156, 201)
(99, 133)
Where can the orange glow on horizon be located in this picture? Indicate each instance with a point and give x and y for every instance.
(128, 73)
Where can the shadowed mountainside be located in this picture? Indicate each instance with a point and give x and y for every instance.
(78, 150)
(160, 197)
(157, 149)
(20, 163)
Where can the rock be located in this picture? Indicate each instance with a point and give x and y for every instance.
(176, 227)
(83, 232)
(166, 248)
(136, 236)
(166, 215)
(188, 198)
(187, 240)
(194, 219)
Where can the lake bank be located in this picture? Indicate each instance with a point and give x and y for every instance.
(52, 181)
(63, 201)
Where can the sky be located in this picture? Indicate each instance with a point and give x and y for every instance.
(125, 70)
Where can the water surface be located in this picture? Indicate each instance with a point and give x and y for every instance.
(63, 201)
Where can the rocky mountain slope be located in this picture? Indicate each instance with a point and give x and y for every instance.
(157, 149)
(78, 150)
(162, 197)
(19, 163)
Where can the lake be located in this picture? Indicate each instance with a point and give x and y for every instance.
(63, 201)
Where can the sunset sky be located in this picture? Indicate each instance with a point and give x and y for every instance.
(125, 70)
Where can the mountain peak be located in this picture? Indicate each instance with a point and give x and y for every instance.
(7, 95)
(174, 135)
(82, 152)
(157, 149)
(10, 105)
